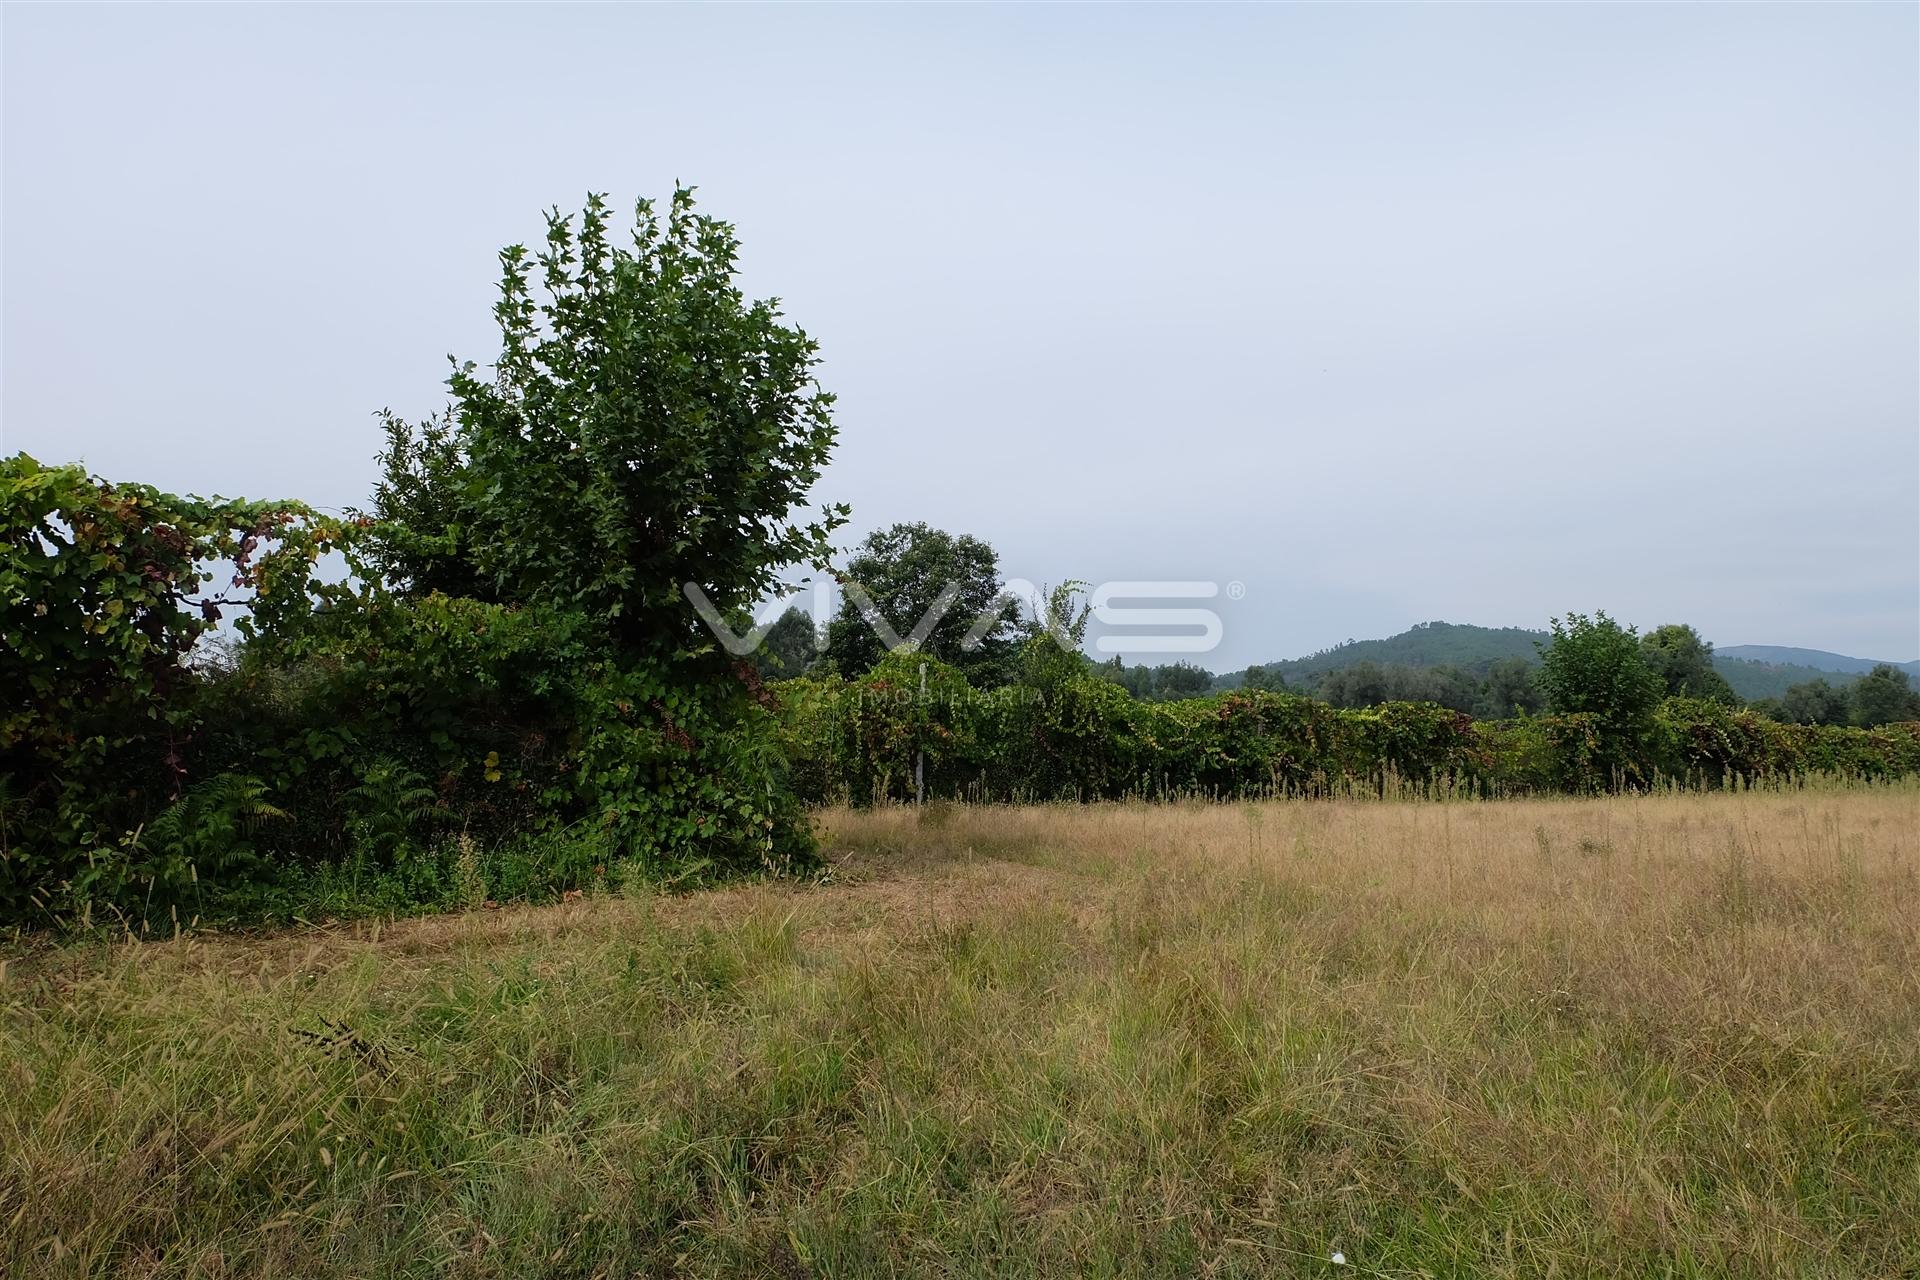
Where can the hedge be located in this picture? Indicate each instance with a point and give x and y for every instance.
(1082, 738)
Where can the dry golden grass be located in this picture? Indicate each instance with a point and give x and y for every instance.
(1671, 1035)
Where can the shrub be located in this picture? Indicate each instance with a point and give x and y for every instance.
(1078, 736)
(103, 594)
(1595, 667)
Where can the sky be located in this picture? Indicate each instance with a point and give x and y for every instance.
(1373, 315)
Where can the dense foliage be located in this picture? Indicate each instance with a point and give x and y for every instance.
(789, 648)
(104, 590)
(1884, 695)
(1594, 669)
(941, 592)
(1171, 680)
(1062, 731)
(510, 657)
(1683, 663)
(644, 427)
(646, 434)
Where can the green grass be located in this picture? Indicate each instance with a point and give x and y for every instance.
(1673, 1036)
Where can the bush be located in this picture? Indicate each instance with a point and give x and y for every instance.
(1706, 742)
(1064, 733)
(103, 594)
(358, 726)
(1595, 667)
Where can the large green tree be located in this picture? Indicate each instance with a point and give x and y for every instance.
(1814, 702)
(914, 580)
(1136, 680)
(1884, 696)
(645, 427)
(1509, 690)
(542, 561)
(1360, 684)
(1367, 683)
(1684, 663)
(788, 648)
(1593, 666)
(1173, 681)
(1263, 678)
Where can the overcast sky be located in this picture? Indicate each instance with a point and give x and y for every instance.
(1388, 314)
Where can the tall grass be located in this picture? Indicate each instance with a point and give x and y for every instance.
(1666, 1035)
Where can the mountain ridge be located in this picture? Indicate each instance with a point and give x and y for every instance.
(1818, 659)
(1754, 671)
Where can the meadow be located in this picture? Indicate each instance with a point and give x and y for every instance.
(1666, 1035)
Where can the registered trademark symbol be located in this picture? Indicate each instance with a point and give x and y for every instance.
(1235, 590)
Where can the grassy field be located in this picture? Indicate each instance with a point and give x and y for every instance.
(1642, 1036)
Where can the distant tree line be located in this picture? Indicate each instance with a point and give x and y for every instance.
(914, 727)
(1167, 682)
(1885, 695)
(899, 574)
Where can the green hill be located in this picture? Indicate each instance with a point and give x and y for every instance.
(1771, 679)
(1818, 659)
(1754, 671)
(1429, 644)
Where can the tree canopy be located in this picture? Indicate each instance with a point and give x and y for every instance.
(1884, 696)
(1594, 667)
(788, 649)
(1814, 702)
(643, 427)
(903, 574)
(1684, 664)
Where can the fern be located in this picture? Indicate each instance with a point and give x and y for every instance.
(390, 804)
